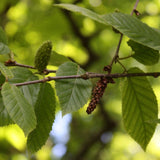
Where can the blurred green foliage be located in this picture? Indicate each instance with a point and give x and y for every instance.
(98, 136)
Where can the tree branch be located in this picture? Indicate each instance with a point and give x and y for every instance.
(14, 63)
(92, 75)
(117, 50)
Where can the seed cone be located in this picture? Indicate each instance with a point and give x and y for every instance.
(43, 55)
(97, 93)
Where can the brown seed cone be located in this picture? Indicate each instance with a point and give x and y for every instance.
(97, 93)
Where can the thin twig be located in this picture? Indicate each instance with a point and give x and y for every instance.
(88, 76)
(14, 63)
(125, 70)
(117, 50)
(122, 58)
(135, 6)
(121, 37)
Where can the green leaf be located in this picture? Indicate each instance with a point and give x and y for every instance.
(2, 79)
(5, 119)
(45, 112)
(144, 54)
(5, 71)
(18, 108)
(57, 59)
(31, 91)
(134, 29)
(139, 105)
(73, 93)
(3, 37)
(4, 49)
(126, 24)
(154, 121)
(83, 11)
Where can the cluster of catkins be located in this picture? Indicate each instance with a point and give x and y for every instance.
(97, 93)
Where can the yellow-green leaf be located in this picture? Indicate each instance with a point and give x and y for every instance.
(139, 106)
(18, 108)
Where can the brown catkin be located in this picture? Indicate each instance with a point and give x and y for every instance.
(97, 93)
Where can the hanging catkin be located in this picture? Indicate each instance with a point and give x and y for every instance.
(97, 93)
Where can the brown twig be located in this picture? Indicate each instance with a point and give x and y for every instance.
(121, 37)
(14, 63)
(88, 76)
(117, 50)
(135, 6)
(10, 63)
(122, 58)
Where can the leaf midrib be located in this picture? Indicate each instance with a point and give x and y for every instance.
(139, 108)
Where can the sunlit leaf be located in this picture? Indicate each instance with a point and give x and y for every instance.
(18, 108)
(45, 112)
(83, 11)
(57, 59)
(139, 105)
(5, 71)
(30, 91)
(134, 29)
(126, 24)
(4, 116)
(73, 93)
(144, 54)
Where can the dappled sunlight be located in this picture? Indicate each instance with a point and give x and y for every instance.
(88, 26)
(19, 12)
(72, 51)
(154, 146)
(152, 21)
(14, 135)
(152, 8)
(100, 135)
(32, 37)
(11, 28)
(44, 153)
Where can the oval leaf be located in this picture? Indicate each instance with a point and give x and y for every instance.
(126, 24)
(83, 11)
(5, 119)
(139, 105)
(18, 108)
(5, 71)
(134, 29)
(144, 54)
(31, 91)
(57, 59)
(45, 112)
(73, 93)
